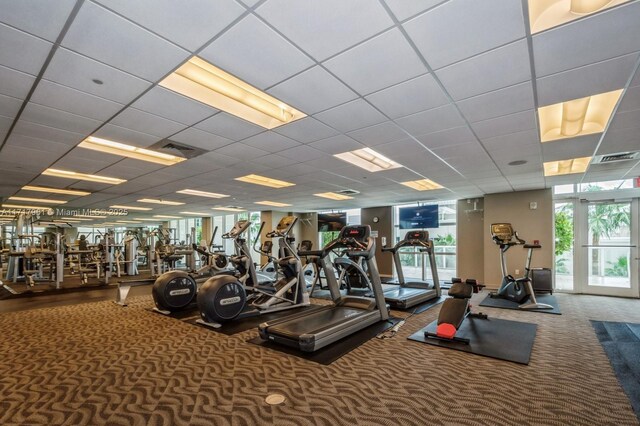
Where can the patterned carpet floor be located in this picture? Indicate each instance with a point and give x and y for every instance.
(98, 363)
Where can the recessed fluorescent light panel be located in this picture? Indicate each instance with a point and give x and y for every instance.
(146, 219)
(422, 185)
(265, 181)
(82, 176)
(229, 209)
(90, 216)
(368, 159)
(37, 200)
(201, 193)
(272, 203)
(55, 190)
(162, 216)
(75, 218)
(127, 221)
(164, 202)
(195, 213)
(578, 117)
(20, 206)
(198, 79)
(334, 196)
(124, 150)
(545, 14)
(136, 208)
(566, 167)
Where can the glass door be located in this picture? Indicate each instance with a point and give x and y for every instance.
(608, 248)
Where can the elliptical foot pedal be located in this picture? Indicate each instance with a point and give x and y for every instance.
(161, 311)
(208, 324)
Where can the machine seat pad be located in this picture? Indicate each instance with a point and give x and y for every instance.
(461, 291)
(453, 312)
(533, 246)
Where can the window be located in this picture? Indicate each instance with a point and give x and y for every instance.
(353, 218)
(444, 239)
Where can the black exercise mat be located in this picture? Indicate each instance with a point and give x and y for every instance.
(244, 324)
(494, 338)
(334, 351)
(508, 304)
(621, 343)
(420, 308)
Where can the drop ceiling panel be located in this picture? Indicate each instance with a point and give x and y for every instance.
(5, 124)
(306, 130)
(36, 158)
(337, 144)
(630, 100)
(9, 106)
(512, 123)
(374, 56)
(498, 68)
(14, 45)
(201, 139)
(273, 161)
(497, 103)
(255, 53)
(446, 138)
(328, 27)
(378, 134)
(399, 149)
(604, 35)
(76, 71)
(108, 38)
(351, 116)
(418, 94)
(240, 150)
(189, 27)
(624, 120)
(585, 81)
(452, 151)
(15, 83)
(404, 9)
(70, 100)
(620, 140)
(144, 122)
(229, 127)
(128, 136)
(513, 141)
(43, 19)
(129, 169)
(563, 149)
(46, 133)
(59, 119)
(38, 144)
(312, 91)
(217, 160)
(303, 153)
(433, 120)
(460, 29)
(271, 142)
(171, 105)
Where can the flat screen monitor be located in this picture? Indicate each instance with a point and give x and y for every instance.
(331, 222)
(420, 217)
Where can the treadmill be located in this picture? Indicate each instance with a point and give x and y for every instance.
(310, 331)
(409, 294)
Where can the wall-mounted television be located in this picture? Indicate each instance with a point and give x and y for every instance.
(331, 222)
(419, 217)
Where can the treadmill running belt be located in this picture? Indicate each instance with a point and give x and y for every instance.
(316, 322)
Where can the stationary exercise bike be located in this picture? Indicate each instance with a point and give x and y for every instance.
(455, 310)
(518, 290)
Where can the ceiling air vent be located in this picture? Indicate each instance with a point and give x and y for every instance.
(347, 192)
(176, 148)
(611, 158)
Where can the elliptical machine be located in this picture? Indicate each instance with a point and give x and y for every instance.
(176, 290)
(227, 298)
(518, 290)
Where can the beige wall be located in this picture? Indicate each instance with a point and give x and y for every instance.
(385, 229)
(513, 207)
(470, 239)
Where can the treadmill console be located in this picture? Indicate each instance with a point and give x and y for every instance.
(359, 233)
(501, 232)
(422, 236)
